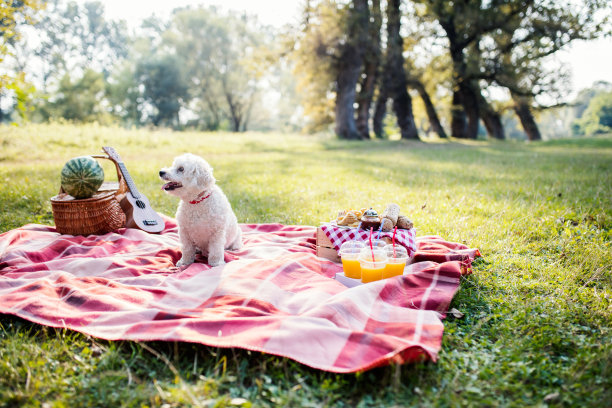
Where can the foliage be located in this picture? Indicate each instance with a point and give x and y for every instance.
(224, 72)
(79, 100)
(536, 330)
(14, 14)
(597, 118)
(468, 61)
(73, 37)
(123, 94)
(316, 49)
(24, 93)
(216, 83)
(517, 51)
(165, 88)
(507, 46)
(563, 121)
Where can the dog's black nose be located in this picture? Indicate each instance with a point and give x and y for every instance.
(161, 173)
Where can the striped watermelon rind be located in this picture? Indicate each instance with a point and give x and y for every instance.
(82, 176)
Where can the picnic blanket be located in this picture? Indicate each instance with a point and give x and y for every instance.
(273, 296)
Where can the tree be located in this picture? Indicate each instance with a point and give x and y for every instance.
(70, 40)
(464, 22)
(348, 68)
(311, 53)
(515, 54)
(73, 37)
(79, 100)
(225, 70)
(371, 66)
(597, 118)
(329, 55)
(491, 118)
(426, 67)
(395, 74)
(201, 60)
(582, 100)
(101, 42)
(123, 94)
(13, 15)
(430, 109)
(165, 88)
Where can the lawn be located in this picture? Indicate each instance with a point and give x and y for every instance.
(537, 324)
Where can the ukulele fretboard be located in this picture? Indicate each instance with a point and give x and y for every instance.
(129, 181)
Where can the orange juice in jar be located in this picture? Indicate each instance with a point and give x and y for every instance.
(372, 264)
(396, 260)
(349, 252)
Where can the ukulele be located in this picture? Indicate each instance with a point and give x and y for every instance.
(138, 211)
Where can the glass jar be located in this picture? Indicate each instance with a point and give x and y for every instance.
(370, 219)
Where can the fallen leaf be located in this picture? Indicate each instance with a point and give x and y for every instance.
(456, 313)
(551, 397)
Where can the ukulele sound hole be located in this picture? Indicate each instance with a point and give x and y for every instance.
(140, 204)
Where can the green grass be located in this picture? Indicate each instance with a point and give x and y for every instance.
(536, 330)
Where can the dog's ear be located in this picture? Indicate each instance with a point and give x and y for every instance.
(203, 174)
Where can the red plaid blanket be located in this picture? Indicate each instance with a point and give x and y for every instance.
(273, 296)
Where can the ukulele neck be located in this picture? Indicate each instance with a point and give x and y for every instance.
(128, 180)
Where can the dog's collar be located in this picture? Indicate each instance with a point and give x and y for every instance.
(199, 199)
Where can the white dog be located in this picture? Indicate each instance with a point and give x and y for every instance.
(205, 217)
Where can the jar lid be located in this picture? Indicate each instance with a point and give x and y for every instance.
(370, 214)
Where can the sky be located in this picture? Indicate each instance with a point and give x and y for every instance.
(589, 61)
(270, 12)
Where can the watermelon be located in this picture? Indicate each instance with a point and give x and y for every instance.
(82, 176)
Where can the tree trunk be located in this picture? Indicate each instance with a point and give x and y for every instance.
(432, 115)
(234, 115)
(493, 124)
(491, 119)
(402, 103)
(371, 68)
(472, 109)
(349, 66)
(235, 124)
(523, 111)
(380, 111)
(458, 119)
(348, 75)
(465, 115)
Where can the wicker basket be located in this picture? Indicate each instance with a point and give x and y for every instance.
(99, 214)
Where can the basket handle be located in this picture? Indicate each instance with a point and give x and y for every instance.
(123, 188)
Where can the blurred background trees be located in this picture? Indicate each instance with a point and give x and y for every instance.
(362, 68)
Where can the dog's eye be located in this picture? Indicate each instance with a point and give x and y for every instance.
(180, 169)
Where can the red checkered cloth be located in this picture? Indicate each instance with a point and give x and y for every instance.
(273, 296)
(339, 235)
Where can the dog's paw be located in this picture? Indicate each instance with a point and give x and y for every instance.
(216, 262)
(182, 262)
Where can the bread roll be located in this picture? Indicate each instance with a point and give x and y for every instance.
(387, 225)
(404, 222)
(391, 212)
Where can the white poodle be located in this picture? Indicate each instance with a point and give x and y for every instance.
(205, 217)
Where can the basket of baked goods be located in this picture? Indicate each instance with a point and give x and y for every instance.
(86, 204)
(371, 246)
